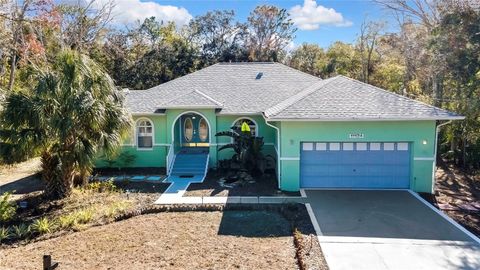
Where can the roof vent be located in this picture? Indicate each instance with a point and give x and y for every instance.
(259, 76)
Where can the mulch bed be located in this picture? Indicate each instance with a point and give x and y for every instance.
(457, 193)
(264, 186)
(129, 171)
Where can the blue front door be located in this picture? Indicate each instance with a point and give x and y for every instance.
(194, 131)
(370, 165)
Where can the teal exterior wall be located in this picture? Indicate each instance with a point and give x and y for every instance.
(165, 136)
(155, 157)
(414, 132)
(292, 133)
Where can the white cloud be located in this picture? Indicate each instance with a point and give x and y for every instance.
(129, 11)
(310, 16)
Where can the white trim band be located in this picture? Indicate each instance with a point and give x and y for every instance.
(424, 158)
(289, 158)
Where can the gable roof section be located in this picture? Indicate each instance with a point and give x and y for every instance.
(342, 99)
(193, 99)
(233, 85)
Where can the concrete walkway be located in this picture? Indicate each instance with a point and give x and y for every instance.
(178, 187)
(388, 230)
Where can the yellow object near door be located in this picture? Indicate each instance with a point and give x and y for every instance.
(245, 127)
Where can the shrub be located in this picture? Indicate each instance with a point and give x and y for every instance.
(84, 216)
(105, 186)
(7, 208)
(43, 225)
(116, 208)
(4, 234)
(67, 221)
(21, 231)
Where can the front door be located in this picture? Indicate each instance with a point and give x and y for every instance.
(194, 131)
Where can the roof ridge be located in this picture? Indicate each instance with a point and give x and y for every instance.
(279, 107)
(167, 103)
(208, 97)
(391, 93)
(244, 63)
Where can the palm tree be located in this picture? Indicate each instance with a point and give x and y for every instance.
(72, 113)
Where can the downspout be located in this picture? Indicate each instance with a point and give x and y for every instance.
(278, 150)
(437, 130)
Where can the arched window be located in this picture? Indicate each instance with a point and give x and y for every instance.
(188, 129)
(203, 130)
(144, 134)
(253, 126)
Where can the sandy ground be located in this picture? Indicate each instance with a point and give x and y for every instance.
(22, 178)
(190, 240)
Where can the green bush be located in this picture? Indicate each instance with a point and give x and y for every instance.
(43, 225)
(7, 208)
(4, 234)
(21, 231)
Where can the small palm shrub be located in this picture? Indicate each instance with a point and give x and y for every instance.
(247, 148)
(67, 221)
(84, 216)
(21, 231)
(43, 225)
(102, 186)
(7, 208)
(73, 219)
(4, 234)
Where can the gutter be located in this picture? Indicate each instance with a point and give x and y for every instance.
(278, 150)
(437, 130)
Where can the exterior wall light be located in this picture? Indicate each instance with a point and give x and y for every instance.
(424, 142)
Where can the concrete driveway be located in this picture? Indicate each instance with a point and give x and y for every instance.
(388, 230)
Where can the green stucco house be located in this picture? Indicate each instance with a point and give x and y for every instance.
(332, 133)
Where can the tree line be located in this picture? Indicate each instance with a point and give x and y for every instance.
(432, 56)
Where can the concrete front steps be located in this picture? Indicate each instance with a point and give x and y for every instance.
(188, 164)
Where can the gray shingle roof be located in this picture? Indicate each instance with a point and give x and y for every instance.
(234, 85)
(342, 98)
(191, 99)
(281, 93)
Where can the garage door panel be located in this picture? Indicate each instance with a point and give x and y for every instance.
(348, 167)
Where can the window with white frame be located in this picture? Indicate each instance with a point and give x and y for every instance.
(144, 129)
(250, 123)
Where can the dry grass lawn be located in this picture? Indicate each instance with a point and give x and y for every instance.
(189, 240)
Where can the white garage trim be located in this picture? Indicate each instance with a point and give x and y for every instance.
(424, 158)
(289, 158)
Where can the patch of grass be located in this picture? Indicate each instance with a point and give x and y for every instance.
(43, 225)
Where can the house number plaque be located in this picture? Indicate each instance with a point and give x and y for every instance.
(356, 135)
